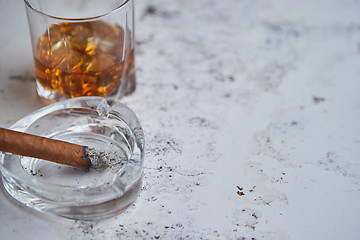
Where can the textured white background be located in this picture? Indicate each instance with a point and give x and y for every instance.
(258, 95)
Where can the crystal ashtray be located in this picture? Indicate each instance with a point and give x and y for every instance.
(71, 192)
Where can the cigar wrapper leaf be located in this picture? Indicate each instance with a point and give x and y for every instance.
(57, 151)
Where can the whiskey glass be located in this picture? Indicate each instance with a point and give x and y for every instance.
(82, 48)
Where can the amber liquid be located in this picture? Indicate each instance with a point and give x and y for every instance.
(84, 59)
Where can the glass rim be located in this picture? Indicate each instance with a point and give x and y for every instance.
(77, 19)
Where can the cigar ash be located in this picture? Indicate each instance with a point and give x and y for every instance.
(104, 160)
(105, 164)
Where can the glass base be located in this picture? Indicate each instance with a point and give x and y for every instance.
(126, 87)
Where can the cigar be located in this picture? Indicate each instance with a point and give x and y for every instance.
(52, 150)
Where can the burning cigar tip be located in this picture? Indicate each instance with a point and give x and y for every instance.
(85, 156)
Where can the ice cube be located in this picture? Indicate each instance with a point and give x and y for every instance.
(79, 36)
(99, 62)
(69, 59)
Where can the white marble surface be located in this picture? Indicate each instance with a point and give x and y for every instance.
(251, 111)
